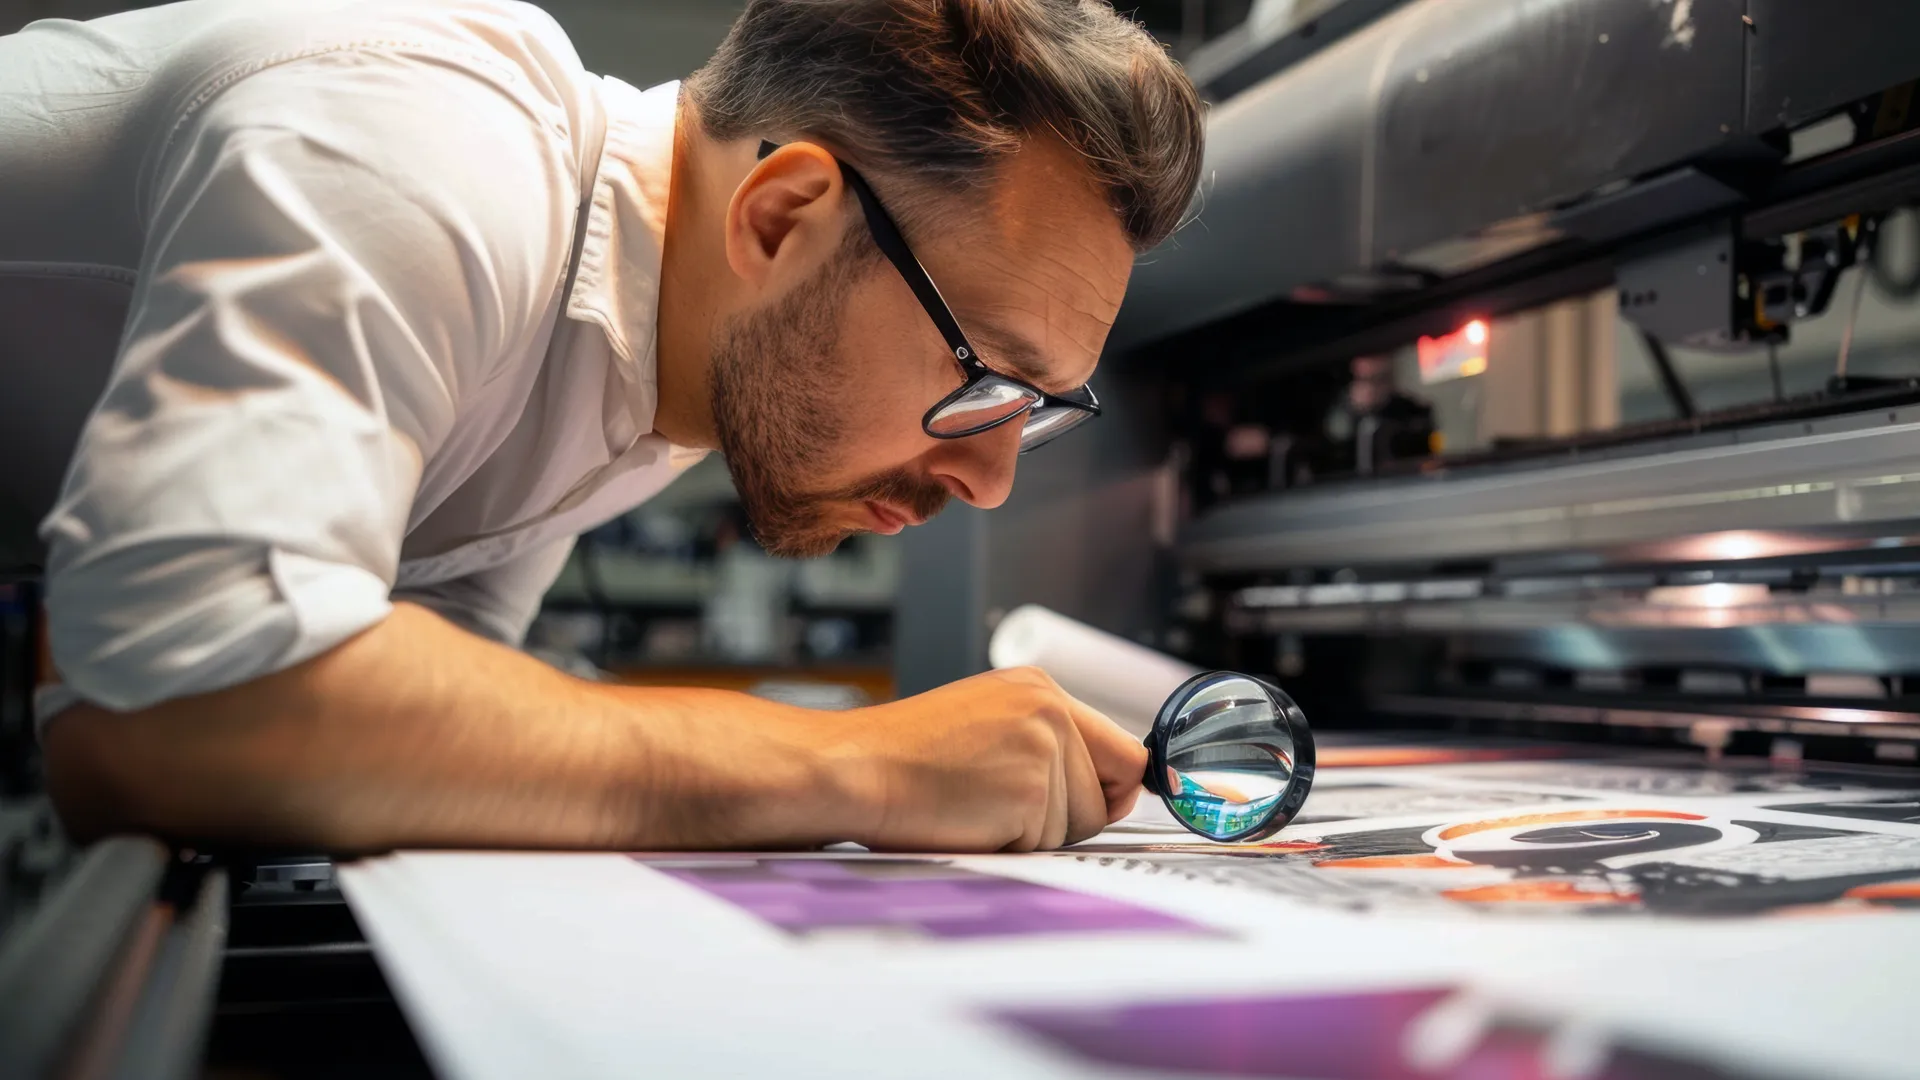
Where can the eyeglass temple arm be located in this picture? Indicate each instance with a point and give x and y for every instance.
(894, 246)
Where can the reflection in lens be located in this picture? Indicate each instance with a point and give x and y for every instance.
(1044, 424)
(1229, 757)
(987, 402)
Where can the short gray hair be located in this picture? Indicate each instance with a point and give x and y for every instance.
(932, 93)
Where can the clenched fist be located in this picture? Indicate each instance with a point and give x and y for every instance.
(1004, 761)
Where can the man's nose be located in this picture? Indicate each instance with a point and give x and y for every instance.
(979, 468)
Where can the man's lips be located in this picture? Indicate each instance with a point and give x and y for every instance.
(888, 519)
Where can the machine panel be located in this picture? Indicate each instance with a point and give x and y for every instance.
(1803, 60)
(1564, 97)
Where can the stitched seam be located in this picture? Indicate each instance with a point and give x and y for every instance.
(96, 271)
(515, 81)
(511, 84)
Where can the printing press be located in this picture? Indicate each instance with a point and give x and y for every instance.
(1416, 406)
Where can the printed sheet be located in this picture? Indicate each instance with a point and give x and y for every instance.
(1439, 911)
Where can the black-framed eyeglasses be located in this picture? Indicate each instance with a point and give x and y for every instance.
(986, 399)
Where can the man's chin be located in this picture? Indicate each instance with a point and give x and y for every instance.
(802, 543)
(793, 529)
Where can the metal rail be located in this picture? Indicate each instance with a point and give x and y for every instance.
(1729, 495)
(52, 970)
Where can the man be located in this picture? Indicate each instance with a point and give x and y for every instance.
(325, 325)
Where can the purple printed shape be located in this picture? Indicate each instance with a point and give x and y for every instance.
(1325, 1037)
(935, 899)
(1313, 1038)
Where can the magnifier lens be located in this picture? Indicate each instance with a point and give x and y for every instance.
(1233, 770)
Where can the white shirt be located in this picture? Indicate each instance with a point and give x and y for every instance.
(279, 286)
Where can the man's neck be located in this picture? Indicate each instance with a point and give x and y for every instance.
(692, 273)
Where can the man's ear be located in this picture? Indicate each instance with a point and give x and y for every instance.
(787, 212)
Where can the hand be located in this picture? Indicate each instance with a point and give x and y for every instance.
(1004, 761)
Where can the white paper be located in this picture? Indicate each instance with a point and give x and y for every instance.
(843, 964)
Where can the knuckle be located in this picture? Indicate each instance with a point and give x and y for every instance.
(1038, 793)
(1025, 797)
(1046, 703)
(1035, 738)
(1054, 711)
(1032, 676)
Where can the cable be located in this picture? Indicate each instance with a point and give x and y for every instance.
(1669, 378)
(1853, 316)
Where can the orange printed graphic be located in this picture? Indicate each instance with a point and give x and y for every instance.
(1536, 892)
(1282, 847)
(1563, 817)
(1886, 890)
(1358, 757)
(1391, 862)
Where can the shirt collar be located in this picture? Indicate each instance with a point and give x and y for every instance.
(617, 286)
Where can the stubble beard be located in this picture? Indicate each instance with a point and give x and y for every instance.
(779, 409)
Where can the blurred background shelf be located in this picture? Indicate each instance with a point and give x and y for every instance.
(873, 680)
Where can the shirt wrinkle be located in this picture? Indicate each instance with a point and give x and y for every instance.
(618, 284)
(377, 404)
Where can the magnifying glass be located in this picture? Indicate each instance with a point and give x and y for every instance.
(1231, 756)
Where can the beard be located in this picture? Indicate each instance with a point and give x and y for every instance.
(780, 403)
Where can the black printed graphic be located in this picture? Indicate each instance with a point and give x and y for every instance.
(1597, 860)
(1898, 809)
(1692, 781)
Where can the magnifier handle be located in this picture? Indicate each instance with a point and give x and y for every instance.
(1154, 774)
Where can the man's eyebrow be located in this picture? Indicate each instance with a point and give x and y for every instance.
(1014, 355)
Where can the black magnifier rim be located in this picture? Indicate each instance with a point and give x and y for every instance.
(1298, 785)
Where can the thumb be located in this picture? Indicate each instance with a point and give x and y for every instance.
(1119, 759)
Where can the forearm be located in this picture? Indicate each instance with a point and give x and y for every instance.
(416, 733)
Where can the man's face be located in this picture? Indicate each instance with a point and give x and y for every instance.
(818, 394)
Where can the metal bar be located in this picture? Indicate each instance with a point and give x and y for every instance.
(1783, 648)
(1282, 337)
(100, 1040)
(1866, 179)
(168, 1031)
(286, 952)
(1844, 476)
(53, 968)
(1867, 722)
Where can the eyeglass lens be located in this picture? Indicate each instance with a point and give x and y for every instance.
(992, 401)
(985, 404)
(1045, 424)
(1229, 754)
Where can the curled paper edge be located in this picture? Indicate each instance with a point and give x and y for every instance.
(1125, 680)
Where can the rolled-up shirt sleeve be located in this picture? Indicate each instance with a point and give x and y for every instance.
(340, 248)
(497, 603)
